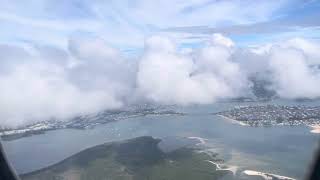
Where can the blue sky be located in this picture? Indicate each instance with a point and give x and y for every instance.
(125, 24)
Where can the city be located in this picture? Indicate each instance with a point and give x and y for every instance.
(270, 115)
(84, 121)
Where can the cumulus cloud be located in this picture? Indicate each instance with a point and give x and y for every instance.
(99, 66)
(35, 92)
(42, 82)
(220, 40)
(292, 76)
(34, 87)
(292, 66)
(309, 48)
(165, 76)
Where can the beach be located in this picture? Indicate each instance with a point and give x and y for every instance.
(266, 176)
(233, 120)
(315, 129)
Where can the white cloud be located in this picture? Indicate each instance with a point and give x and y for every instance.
(167, 77)
(292, 76)
(307, 47)
(159, 44)
(40, 82)
(34, 88)
(220, 40)
(39, 91)
(291, 66)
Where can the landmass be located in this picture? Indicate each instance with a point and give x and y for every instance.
(83, 122)
(270, 115)
(141, 158)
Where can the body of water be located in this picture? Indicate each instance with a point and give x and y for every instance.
(280, 150)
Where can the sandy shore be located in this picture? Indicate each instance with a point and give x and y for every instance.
(266, 176)
(233, 121)
(232, 169)
(201, 140)
(315, 129)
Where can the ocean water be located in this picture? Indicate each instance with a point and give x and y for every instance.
(280, 150)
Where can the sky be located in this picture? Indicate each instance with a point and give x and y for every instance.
(63, 58)
(125, 24)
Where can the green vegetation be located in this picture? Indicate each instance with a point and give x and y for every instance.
(135, 159)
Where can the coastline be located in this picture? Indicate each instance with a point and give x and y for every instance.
(202, 141)
(266, 176)
(232, 169)
(235, 169)
(233, 120)
(315, 129)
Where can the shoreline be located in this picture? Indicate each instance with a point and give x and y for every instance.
(235, 170)
(232, 169)
(266, 176)
(233, 120)
(315, 129)
(201, 140)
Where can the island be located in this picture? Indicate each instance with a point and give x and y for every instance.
(138, 158)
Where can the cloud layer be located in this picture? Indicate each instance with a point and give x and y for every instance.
(42, 82)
